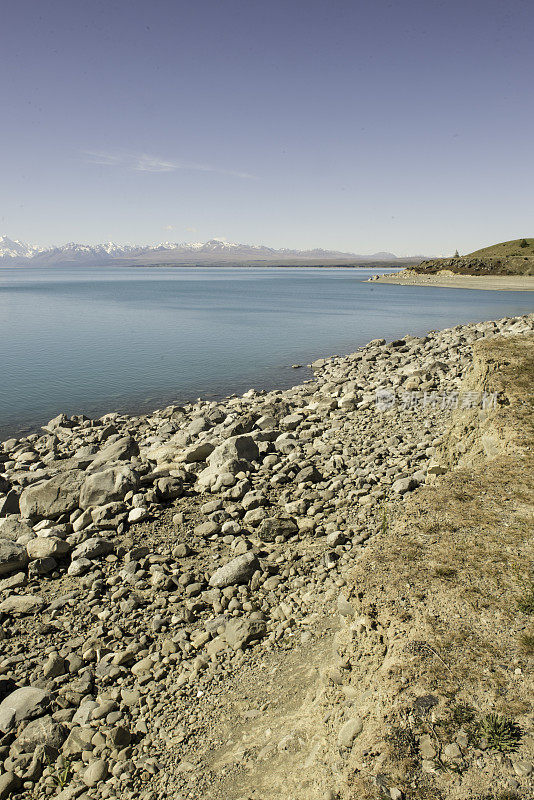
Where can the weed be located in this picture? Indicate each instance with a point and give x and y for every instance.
(527, 643)
(445, 572)
(403, 743)
(500, 733)
(525, 603)
(462, 713)
(61, 771)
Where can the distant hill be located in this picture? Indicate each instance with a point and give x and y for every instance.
(216, 251)
(515, 257)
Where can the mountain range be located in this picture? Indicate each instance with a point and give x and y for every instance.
(16, 253)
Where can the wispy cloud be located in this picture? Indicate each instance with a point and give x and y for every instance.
(142, 162)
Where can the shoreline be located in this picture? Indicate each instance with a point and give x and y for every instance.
(503, 283)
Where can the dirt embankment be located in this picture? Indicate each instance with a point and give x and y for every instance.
(428, 692)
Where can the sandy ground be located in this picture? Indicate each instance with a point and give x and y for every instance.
(510, 283)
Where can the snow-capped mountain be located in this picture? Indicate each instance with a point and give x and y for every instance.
(12, 248)
(17, 253)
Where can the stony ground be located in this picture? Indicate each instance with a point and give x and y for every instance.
(173, 586)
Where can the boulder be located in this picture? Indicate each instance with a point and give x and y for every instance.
(198, 452)
(13, 556)
(61, 421)
(22, 604)
(13, 528)
(238, 570)
(121, 450)
(235, 448)
(403, 485)
(271, 527)
(169, 489)
(47, 547)
(96, 771)
(24, 703)
(10, 503)
(241, 632)
(39, 732)
(50, 498)
(108, 485)
(95, 547)
(308, 475)
(9, 784)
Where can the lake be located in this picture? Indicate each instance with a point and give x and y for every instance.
(94, 340)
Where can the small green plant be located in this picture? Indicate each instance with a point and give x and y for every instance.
(500, 733)
(462, 713)
(61, 772)
(523, 243)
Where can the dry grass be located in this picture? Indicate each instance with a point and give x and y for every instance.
(452, 576)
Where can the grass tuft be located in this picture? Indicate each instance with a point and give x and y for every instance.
(500, 733)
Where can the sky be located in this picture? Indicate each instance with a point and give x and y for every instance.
(354, 125)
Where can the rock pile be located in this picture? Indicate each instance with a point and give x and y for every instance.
(143, 559)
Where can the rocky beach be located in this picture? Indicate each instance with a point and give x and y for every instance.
(198, 602)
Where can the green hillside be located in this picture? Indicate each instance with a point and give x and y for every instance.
(505, 249)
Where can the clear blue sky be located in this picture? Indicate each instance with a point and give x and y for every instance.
(358, 125)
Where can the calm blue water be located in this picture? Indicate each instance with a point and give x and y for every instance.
(94, 340)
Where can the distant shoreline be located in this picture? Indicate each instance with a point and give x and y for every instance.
(401, 264)
(501, 283)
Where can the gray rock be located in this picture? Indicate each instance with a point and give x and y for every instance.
(61, 421)
(13, 528)
(42, 731)
(24, 703)
(308, 475)
(169, 489)
(235, 448)
(344, 607)
(108, 485)
(121, 450)
(239, 570)
(22, 604)
(198, 452)
(52, 497)
(403, 485)
(137, 514)
(13, 556)
(95, 547)
(96, 771)
(78, 740)
(47, 547)
(14, 581)
(55, 666)
(10, 503)
(271, 527)
(349, 731)
(241, 632)
(9, 783)
(79, 567)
